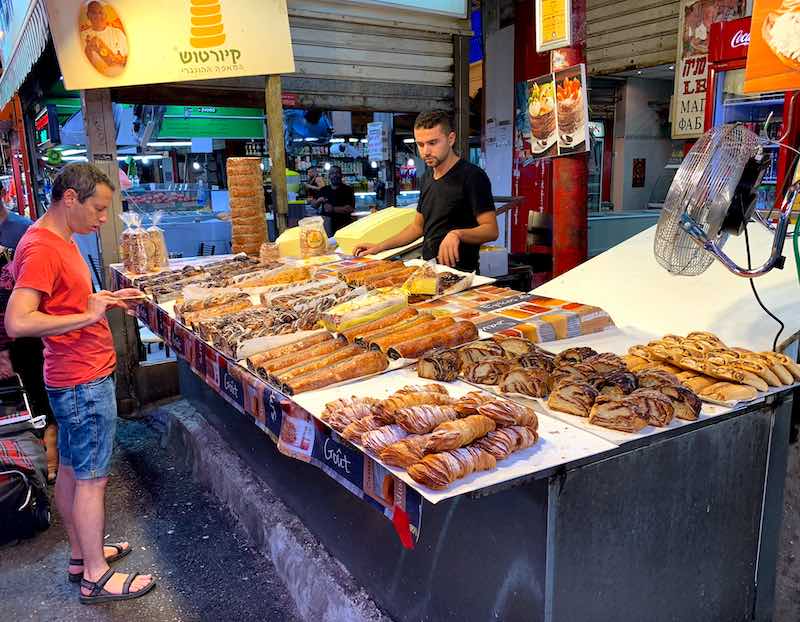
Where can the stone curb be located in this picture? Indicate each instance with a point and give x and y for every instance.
(320, 585)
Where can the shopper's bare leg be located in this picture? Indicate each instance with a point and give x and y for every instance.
(65, 499)
(89, 520)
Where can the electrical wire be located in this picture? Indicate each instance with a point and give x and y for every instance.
(755, 293)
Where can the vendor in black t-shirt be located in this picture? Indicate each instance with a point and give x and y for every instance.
(337, 201)
(455, 213)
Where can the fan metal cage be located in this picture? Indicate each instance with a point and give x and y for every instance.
(702, 190)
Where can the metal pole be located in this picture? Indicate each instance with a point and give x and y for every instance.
(277, 151)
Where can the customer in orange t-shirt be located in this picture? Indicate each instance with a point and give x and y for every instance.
(53, 299)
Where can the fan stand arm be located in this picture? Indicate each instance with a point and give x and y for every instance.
(775, 260)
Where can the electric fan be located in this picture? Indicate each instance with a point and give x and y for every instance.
(713, 196)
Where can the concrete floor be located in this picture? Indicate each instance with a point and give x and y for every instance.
(204, 567)
(787, 590)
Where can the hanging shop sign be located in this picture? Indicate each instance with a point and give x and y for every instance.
(553, 24)
(453, 8)
(691, 66)
(378, 141)
(556, 119)
(108, 43)
(773, 61)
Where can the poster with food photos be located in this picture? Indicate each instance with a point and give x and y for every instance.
(773, 58)
(558, 113)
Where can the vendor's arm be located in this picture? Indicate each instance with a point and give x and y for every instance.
(408, 235)
(486, 231)
(23, 318)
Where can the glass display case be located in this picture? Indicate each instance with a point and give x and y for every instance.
(167, 197)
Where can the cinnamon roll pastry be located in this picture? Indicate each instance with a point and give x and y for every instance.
(437, 471)
(423, 419)
(469, 403)
(618, 413)
(398, 401)
(654, 378)
(605, 363)
(442, 366)
(536, 360)
(533, 382)
(575, 399)
(479, 351)
(617, 383)
(459, 433)
(656, 406)
(515, 347)
(357, 428)
(377, 440)
(487, 371)
(574, 355)
(506, 413)
(503, 442)
(686, 404)
(405, 452)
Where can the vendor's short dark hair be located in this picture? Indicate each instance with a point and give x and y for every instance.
(82, 178)
(432, 118)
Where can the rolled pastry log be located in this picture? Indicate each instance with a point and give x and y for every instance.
(361, 365)
(458, 333)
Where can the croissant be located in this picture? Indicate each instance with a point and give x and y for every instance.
(469, 403)
(487, 371)
(506, 413)
(781, 359)
(376, 440)
(503, 442)
(533, 382)
(392, 404)
(406, 452)
(422, 388)
(458, 433)
(354, 430)
(423, 419)
(437, 471)
(343, 402)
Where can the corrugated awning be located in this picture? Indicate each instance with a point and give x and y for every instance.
(27, 50)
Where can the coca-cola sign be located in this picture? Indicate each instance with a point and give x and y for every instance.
(729, 41)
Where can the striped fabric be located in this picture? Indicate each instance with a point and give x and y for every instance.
(29, 47)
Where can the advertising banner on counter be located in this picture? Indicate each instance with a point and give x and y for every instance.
(691, 66)
(553, 24)
(773, 61)
(108, 43)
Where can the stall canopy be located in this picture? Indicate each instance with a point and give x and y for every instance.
(25, 33)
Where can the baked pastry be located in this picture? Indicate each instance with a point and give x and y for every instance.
(468, 404)
(459, 433)
(570, 374)
(573, 398)
(422, 388)
(698, 383)
(623, 414)
(437, 471)
(533, 382)
(705, 336)
(365, 339)
(391, 405)
(442, 366)
(515, 347)
(536, 360)
(423, 419)
(487, 371)
(405, 452)
(479, 351)
(350, 335)
(355, 367)
(376, 440)
(656, 407)
(455, 335)
(617, 383)
(574, 355)
(729, 392)
(506, 413)
(503, 442)
(654, 378)
(757, 367)
(341, 353)
(354, 430)
(791, 366)
(341, 417)
(686, 404)
(635, 363)
(605, 363)
(424, 325)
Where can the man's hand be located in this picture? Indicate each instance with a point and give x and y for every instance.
(448, 249)
(101, 302)
(360, 251)
(327, 208)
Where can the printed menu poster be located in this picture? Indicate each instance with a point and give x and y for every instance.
(558, 113)
(553, 24)
(773, 60)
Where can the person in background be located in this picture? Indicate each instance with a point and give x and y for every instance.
(337, 202)
(53, 299)
(456, 212)
(314, 184)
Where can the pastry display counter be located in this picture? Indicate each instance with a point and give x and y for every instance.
(678, 523)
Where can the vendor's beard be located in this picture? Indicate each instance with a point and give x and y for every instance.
(433, 161)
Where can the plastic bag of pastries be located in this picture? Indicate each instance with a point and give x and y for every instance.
(159, 256)
(134, 244)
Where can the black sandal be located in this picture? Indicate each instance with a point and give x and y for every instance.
(100, 595)
(75, 577)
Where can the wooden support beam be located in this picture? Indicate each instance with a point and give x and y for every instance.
(101, 146)
(277, 151)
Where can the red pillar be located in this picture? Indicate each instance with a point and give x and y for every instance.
(571, 173)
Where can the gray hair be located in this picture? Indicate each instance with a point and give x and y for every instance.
(82, 178)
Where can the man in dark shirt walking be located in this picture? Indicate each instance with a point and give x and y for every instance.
(455, 213)
(338, 201)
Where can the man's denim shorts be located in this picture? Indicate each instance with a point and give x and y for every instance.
(87, 420)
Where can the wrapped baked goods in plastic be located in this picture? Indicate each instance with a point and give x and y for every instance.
(134, 244)
(313, 238)
(367, 308)
(158, 256)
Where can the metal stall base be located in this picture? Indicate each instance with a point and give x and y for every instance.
(681, 527)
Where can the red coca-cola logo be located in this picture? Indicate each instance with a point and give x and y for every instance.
(740, 39)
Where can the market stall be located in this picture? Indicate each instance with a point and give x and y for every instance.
(632, 512)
